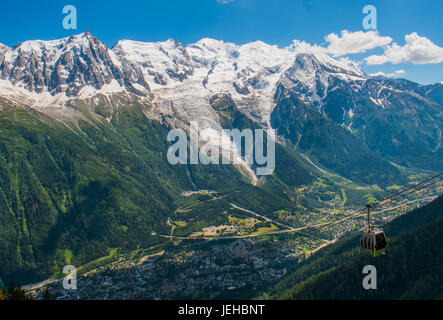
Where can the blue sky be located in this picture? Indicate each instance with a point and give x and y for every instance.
(241, 21)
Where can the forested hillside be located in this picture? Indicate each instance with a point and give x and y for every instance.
(76, 192)
(72, 195)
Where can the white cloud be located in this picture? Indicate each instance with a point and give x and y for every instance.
(396, 73)
(417, 50)
(354, 42)
(305, 47)
(347, 43)
(224, 1)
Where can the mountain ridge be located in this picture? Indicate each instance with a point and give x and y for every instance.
(179, 81)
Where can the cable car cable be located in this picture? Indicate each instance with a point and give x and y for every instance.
(390, 198)
(396, 196)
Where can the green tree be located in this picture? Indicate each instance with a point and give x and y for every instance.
(18, 293)
(47, 295)
(2, 295)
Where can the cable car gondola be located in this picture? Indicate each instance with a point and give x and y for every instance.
(373, 240)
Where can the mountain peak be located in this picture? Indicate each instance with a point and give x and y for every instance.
(211, 46)
(331, 65)
(72, 66)
(258, 43)
(209, 41)
(84, 38)
(3, 50)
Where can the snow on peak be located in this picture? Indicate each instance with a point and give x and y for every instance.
(213, 44)
(180, 79)
(322, 61)
(40, 47)
(66, 69)
(81, 65)
(161, 62)
(312, 75)
(3, 50)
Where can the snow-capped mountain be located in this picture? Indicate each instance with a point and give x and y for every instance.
(179, 81)
(312, 77)
(250, 72)
(183, 79)
(81, 66)
(51, 72)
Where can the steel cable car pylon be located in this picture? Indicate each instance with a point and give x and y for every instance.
(373, 240)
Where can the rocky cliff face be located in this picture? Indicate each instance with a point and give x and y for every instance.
(72, 67)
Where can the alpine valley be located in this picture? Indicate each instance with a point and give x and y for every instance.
(85, 180)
